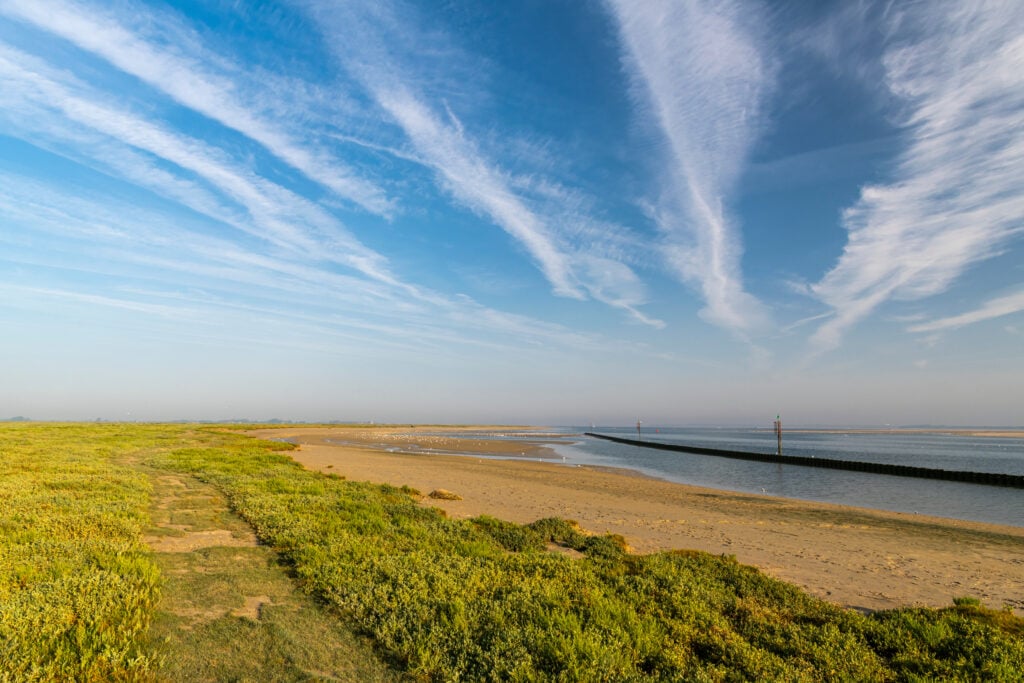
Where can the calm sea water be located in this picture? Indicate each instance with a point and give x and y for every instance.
(975, 502)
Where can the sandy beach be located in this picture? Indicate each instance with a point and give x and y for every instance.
(854, 557)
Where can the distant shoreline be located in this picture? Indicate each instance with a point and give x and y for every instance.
(991, 433)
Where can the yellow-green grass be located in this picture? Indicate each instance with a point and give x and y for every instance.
(77, 586)
(229, 611)
(83, 598)
(444, 599)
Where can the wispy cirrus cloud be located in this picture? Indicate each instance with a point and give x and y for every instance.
(43, 100)
(189, 79)
(102, 246)
(372, 43)
(99, 252)
(993, 308)
(107, 237)
(955, 198)
(701, 80)
(472, 180)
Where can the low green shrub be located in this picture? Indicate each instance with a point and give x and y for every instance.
(511, 537)
(564, 532)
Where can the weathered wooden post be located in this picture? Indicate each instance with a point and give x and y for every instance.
(778, 434)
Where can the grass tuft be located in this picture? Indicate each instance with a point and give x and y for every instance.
(444, 494)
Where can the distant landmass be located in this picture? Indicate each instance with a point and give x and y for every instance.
(19, 418)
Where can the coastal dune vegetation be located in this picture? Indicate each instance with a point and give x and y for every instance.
(437, 598)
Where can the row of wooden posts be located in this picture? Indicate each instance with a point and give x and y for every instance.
(777, 428)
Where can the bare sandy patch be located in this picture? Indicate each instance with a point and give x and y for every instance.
(425, 440)
(252, 607)
(195, 540)
(175, 500)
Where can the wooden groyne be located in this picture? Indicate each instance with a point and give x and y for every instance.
(989, 478)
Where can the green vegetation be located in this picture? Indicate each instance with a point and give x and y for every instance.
(444, 599)
(229, 611)
(82, 597)
(77, 586)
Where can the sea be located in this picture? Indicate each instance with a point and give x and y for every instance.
(974, 502)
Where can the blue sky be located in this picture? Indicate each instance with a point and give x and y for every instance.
(550, 211)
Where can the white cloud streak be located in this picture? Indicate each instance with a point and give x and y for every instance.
(51, 108)
(476, 182)
(102, 252)
(369, 42)
(956, 198)
(31, 90)
(701, 80)
(187, 79)
(994, 308)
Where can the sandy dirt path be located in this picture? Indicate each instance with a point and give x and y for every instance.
(854, 557)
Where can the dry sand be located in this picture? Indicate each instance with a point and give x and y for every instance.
(854, 557)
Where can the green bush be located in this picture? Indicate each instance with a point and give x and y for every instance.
(511, 537)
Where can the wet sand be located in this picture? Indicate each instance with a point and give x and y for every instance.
(854, 557)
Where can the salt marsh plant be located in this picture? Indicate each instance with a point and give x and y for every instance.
(445, 599)
(77, 586)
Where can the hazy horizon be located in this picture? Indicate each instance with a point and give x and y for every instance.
(646, 425)
(535, 212)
